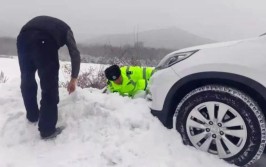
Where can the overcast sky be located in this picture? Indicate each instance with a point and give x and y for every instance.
(215, 19)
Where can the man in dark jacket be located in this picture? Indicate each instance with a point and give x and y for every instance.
(37, 44)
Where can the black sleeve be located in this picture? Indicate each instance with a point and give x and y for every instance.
(74, 54)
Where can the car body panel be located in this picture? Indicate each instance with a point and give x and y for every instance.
(240, 65)
(166, 77)
(242, 58)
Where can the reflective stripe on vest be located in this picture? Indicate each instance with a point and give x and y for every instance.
(129, 77)
(144, 73)
(132, 82)
(144, 77)
(127, 72)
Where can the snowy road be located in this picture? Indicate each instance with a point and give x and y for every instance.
(101, 130)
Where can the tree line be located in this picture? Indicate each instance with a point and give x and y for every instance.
(136, 54)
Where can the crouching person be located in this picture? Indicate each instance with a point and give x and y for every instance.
(128, 80)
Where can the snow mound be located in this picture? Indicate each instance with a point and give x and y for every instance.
(102, 130)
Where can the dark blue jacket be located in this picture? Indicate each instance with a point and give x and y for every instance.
(56, 28)
(60, 32)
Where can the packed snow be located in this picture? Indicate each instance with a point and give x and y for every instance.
(102, 130)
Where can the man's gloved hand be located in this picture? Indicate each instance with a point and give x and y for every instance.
(72, 85)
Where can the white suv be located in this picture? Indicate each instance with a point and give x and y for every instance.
(215, 97)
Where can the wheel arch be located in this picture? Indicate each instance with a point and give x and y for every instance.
(190, 82)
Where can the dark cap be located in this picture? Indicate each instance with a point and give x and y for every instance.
(113, 72)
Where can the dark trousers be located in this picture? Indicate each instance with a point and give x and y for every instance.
(37, 51)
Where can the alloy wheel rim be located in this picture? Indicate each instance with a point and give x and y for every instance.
(216, 128)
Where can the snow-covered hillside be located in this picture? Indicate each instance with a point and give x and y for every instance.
(101, 130)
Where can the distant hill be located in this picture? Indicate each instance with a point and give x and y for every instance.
(163, 41)
(8, 46)
(170, 38)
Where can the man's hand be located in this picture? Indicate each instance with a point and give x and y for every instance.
(72, 85)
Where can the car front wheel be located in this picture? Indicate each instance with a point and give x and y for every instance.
(223, 121)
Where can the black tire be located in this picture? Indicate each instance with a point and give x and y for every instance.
(248, 110)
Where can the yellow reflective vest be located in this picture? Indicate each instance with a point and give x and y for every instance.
(135, 78)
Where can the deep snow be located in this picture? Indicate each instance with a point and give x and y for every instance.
(101, 130)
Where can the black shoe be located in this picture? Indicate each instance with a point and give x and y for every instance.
(52, 135)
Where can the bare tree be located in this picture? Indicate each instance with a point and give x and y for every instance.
(90, 78)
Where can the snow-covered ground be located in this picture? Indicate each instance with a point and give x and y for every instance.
(101, 130)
